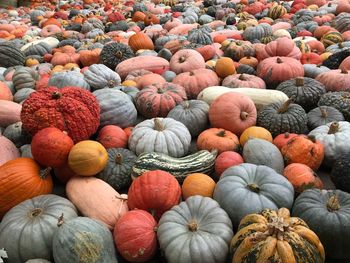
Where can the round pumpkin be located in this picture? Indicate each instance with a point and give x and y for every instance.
(139, 41)
(224, 67)
(282, 139)
(198, 184)
(186, 60)
(219, 139)
(255, 132)
(322, 115)
(8, 150)
(112, 136)
(87, 158)
(225, 160)
(5, 92)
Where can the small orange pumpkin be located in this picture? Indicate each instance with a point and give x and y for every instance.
(224, 67)
(250, 61)
(255, 132)
(151, 19)
(282, 139)
(139, 41)
(219, 139)
(198, 184)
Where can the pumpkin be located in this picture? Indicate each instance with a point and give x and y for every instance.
(114, 53)
(255, 132)
(282, 139)
(279, 118)
(8, 150)
(68, 78)
(149, 136)
(99, 76)
(26, 219)
(339, 100)
(196, 80)
(333, 136)
(111, 136)
(333, 207)
(10, 55)
(219, 139)
(135, 236)
(248, 188)
(306, 91)
(139, 41)
(186, 223)
(186, 60)
(243, 81)
(193, 114)
(96, 199)
(89, 57)
(22, 94)
(9, 112)
(225, 160)
(305, 150)
(149, 79)
(24, 178)
(154, 191)
(116, 108)
(5, 92)
(322, 115)
(237, 49)
(283, 47)
(84, 240)
(157, 100)
(335, 80)
(283, 238)
(50, 147)
(224, 67)
(198, 184)
(312, 71)
(59, 108)
(274, 70)
(232, 111)
(117, 172)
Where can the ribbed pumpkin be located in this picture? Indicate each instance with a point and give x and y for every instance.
(255, 132)
(10, 55)
(339, 100)
(27, 220)
(112, 136)
(335, 80)
(322, 115)
(232, 111)
(69, 109)
(21, 179)
(140, 40)
(224, 67)
(135, 236)
(154, 191)
(226, 160)
(114, 53)
(243, 81)
(186, 60)
(87, 158)
(50, 147)
(198, 184)
(305, 150)
(217, 139)
(275, 235)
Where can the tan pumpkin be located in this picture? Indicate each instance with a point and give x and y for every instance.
(186, 60)
(255, 132)
(87, 158)
(198, 184)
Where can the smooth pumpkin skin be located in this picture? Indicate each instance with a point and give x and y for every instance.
(255, 132)
(219, 139)
(5, 92)
(135, 236)
(333, 207)
(198, 184)
(96, 199)
(33, 221)
(83, 240)
(87, 158)
(112, 136)
(182, 229)
(8, 150)
(248, 188)
(225, 160)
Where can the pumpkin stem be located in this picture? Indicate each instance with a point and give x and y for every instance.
(285, 105)
(286, 134)
(56, 95)
(253, 187)
(221, 133)
(242, 77)
(35, 212)
(299, 81)
(340, 45)
(119, 54)
(324, 113)
(244, 115)
(158, 125)
(60, 221)
(182, 59)
(279, 60)
(186, 104)
(191, 73)
(111, 83)
(192, 225)
(333, 128)
(277, 227)
(333, 203)
(123, 198)
(312, 138)
(344, 71)
(118, 158)
(45, 172)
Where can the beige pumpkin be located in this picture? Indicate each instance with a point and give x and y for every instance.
(8, 150)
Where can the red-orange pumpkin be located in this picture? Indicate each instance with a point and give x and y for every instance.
(140, 41)
(112, 136)
(64, 173)
(219, 139)
(282, 139)
(149, 79)
(226, 160)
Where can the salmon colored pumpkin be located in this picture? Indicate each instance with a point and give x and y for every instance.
(87, 158)
(21, 179)
(186, 60)
(255, 132)
(5, 92)
(8, 151)
(226, 160)
(112, 136)
(198, 184)
(51, 146)
(96, 199)
(10, 112)
(282, 139)
(217, 139)
(149, 79)
(128, 131)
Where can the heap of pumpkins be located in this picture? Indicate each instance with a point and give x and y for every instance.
(181, 132)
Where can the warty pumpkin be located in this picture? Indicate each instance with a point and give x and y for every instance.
(339, 100)
(282, 139)
(114, 53)
(25, 179)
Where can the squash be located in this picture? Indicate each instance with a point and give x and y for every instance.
(198, 184)
(322, 115)
(199, 162)
(282, 139)
(27, 219)
(24, 77)
(333, 207)
(83, 240)
(248, 188)
(185, 224)
(339, 100)
(226, 160)
(217, 139)
(8, 150)
(96, 199)
(10, 55)
(100, 76)
(114, 53)
(68, 78)
(283, 238)
(112, 136)
(255, 132)
(260, 97)
(243, 81)
(186, 60)
(9, 112)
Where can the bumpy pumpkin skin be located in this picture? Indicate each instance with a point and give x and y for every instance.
(339, 100)
(27, 220)
(340, 172)
(181, 229)
(85, 240)
(333, 207)
(274, 236)
(69, 109)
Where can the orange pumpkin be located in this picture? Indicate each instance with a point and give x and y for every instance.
(219, 139)
(112, 136)
(304, 149)
(139, 41)
(32, 62)
(20, 180)
(250, 61)
(282, 139)
(198, 184)
(64, 173)
(224, 67)
(138, 16)
(255, 132)
(151, 19)
(87, 158)
(89, 57)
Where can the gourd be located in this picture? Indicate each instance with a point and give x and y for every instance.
(199, 162)
(24, 78)
(100, 76)
(27, 220)
(68, 78)
(8, 150)
(198, 184)
(217, 139)
(322, 115)
(340, 172)
(339, 100)
(10, 113)
(181, 230)
(114, 53)
(10, 55)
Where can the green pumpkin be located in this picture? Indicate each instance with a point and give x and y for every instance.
(39, 49)
(340, 174)
(200, 35)
(196, 230)
(25, 77)
(339, 100)
(257, 32)
(68, 78)
(327, 213)
(117, 172)
(114, 53)
(17, 135)
(83, 240)
(31, 226)
(10, 55)
(22, 94)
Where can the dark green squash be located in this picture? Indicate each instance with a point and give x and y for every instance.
(200, 35)
(307, 91)
(323, 115)
(16, 134)
(114, 53)
(340, 174)
(280, 118)
(334, 60)
(117, 172)
(339, 100)
(10, 55)
(39, 49)
(245, 69)
(327, 213)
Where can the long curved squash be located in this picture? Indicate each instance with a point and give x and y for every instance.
(260, 97)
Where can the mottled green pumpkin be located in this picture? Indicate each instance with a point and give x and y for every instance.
(10, 55)
(339, 100)
(114, 53)
(322, 115)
